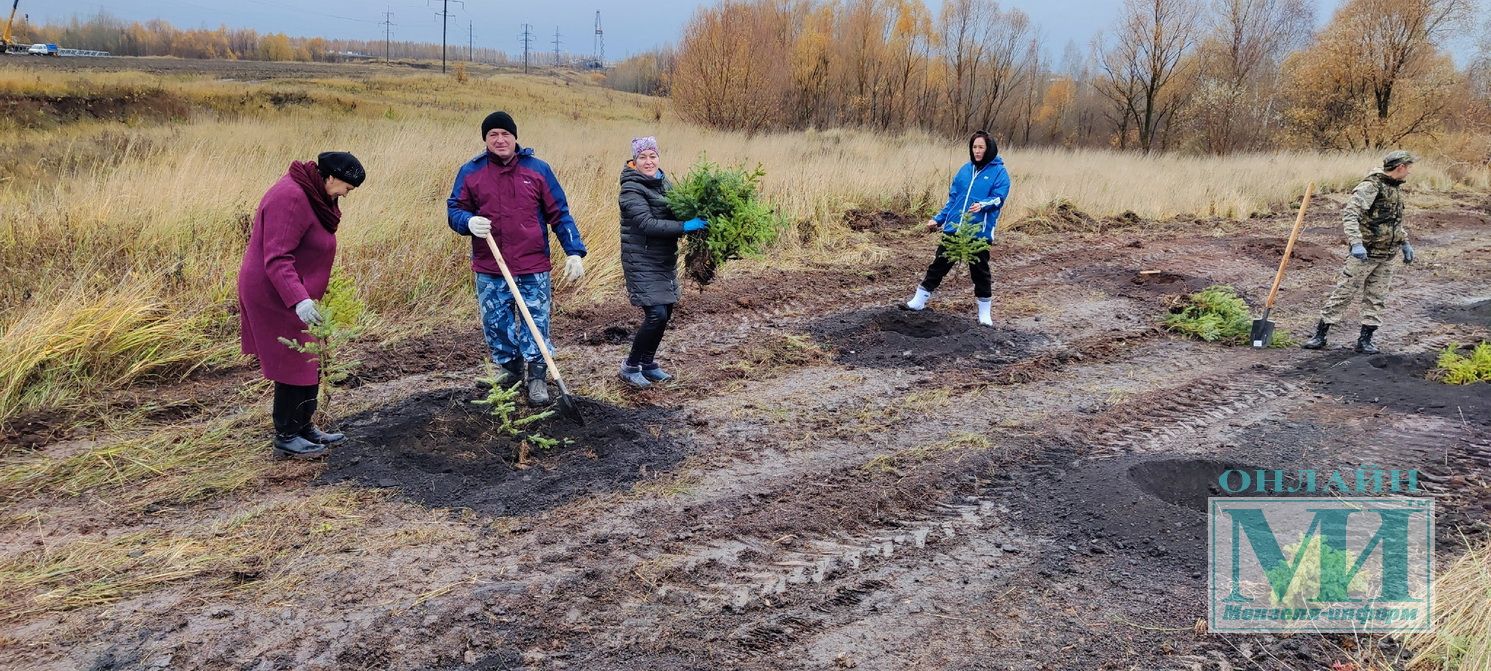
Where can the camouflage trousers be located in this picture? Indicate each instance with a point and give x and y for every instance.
(1370, 278)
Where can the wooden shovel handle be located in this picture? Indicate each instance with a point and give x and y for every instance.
(512, 286)
(1299, 223)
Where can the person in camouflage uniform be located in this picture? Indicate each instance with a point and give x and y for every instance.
(1373, 219)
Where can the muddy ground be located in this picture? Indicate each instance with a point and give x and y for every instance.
(833, 482)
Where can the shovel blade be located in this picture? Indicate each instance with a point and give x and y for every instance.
(569, 410)
(1263, 333)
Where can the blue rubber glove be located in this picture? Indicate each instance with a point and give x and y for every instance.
(1359, 252)
(695, 224)
(1407, 253)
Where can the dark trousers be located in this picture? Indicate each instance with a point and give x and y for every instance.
(983, 279)
(650, 335)
(294, 406)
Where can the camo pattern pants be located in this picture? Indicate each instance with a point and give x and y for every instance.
(1371, 278)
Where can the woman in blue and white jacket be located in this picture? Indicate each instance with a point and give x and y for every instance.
(979, 190)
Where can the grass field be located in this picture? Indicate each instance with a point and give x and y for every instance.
(129, 195)
(127, 198)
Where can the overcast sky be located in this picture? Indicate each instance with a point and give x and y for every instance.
(630, 27)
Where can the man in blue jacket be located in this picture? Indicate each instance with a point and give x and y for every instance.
(978, 192)
(510, 195)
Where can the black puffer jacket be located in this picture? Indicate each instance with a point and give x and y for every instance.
(649, 239)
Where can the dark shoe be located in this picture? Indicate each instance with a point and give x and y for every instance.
(1318, 342)
(655, 373)
(316, 435)
(1364, 341)
(297, 447)
(633, 376)
(538, 383)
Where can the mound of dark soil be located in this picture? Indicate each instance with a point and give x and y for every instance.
(1478, 313)
(1270, 250)
(882, 220)
(442, 451)
(1400, 382)
(888, 337)
(1140, 284)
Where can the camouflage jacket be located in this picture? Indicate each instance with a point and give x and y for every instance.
(1373, 216)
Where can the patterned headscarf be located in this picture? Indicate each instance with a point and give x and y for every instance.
(641, 144)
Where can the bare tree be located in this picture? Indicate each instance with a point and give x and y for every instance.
(1153, 39)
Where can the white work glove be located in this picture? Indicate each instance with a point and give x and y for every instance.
(480, 227)
(574, 268)
(307, 312)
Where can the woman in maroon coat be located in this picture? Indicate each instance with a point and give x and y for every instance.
(285, 270)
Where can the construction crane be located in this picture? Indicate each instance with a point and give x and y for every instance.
(6, 43)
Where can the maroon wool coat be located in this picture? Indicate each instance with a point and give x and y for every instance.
(288, 260)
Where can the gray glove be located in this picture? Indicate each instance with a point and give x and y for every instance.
(307, 312)
(1359, 251)
(480, 227)
(1407, 253)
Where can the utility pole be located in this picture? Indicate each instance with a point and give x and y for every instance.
(527, 42)
(556, 46)
(471, 41)
(600, 42)
(387, 34)
(444, 15)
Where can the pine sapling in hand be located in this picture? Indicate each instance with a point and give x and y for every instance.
(343, 317)
(965, 243)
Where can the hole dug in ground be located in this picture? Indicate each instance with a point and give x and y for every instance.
(442, 451)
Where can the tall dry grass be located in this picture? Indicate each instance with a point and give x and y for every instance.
(157, 215)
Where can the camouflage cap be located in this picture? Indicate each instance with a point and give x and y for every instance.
(1396, 159)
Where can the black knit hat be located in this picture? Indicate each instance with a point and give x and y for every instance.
(501, 120)
(342, 165)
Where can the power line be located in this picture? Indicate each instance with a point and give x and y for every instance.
(444, 15)
(600, 42)
(527, 37)
(387, 34)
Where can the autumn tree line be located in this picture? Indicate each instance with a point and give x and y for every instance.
(105, 32)
(1204, 76)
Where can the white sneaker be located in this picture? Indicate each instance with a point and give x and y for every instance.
(919, 301)
(985, 311)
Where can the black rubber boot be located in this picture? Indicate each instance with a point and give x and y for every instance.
(1364, 341)
(538, 383)
(1318, 342)
(655, 373)
(510, 372)
(632, 375)
(297, 447)
(316, 435)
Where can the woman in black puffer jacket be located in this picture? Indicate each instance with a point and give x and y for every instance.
(649, 257)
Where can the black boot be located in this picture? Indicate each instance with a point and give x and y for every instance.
(1318, 342)
(314, 434)
(538, 383)
(1364, 341)
(510, 372)
(297, 447)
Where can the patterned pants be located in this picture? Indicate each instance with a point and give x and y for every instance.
(1370, 278)
(506, 334)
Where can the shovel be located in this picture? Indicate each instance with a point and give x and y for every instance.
(565, 404)
(1263, 329)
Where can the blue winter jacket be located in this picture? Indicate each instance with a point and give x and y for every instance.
(989, 185)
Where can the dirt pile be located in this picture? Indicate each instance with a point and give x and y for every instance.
(1399, 382)
(1144, 285)
(1478, 313)
(1269, 251)
(891, 337)
(881, 220)
(441, 451)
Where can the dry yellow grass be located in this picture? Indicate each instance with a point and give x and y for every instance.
(263, 549)
(158, 213)
(1461, 639)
